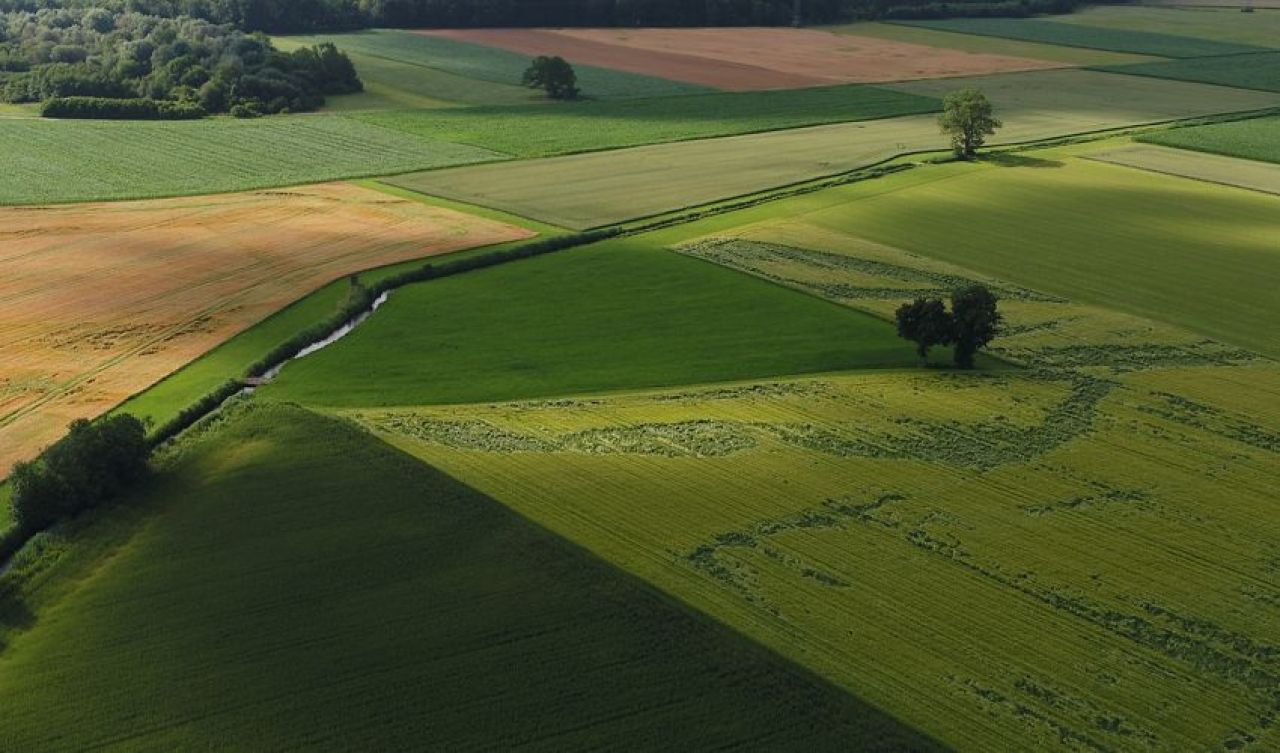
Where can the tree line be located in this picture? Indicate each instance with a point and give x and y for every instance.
(197, 65)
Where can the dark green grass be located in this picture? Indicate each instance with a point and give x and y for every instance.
(585, 126)
(1257, 139)
(85, 160)
(1074, 35)
(295, 584)
(494, 65)
(1256, 71)
(616, 315)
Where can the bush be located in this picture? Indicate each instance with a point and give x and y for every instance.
(120, 109)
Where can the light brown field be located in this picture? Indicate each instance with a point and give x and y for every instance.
(99, 301)
(752, 58)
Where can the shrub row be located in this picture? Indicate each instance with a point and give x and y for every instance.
(109, 108)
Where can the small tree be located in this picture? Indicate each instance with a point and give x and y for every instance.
(968, 117)
(975, 322)
(926, 323)
(553, 75)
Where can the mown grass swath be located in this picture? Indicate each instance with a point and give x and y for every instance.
(587, 126)
(290, 580)
(1257, 139)
(1075, 35)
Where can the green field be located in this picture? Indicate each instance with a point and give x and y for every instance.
(587, 126)
(251, 603)
(616, 315)
(1214, 168)
(86, 160)
(488, 65)
(988, 45)
(1253, 71)
(603, 188)
(1261, 28)
(1257, 139)
(1138, 42)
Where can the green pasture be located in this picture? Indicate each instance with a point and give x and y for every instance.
(1182, 251)
(1251, 71)
(90, 160)
(488, 65)
(1214, 168)
(1260, 28)
(987, 45)
(1135, 41)
(589, 126)
(1257, 139)
(290, 583)
(617, 315)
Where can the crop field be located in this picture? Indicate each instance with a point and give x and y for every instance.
(1136, 41)
(1252, 71)
(254, 605)
(616, 315)
(102, 300)
(749, 59)
(1224, 25)
(1213, 168)
(485, 66)
(1256, 139)
(604, 188)
(590, 126)
(88, 160)
(1067, 56)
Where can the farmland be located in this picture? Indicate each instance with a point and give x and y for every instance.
(1136, 41)
(101, 301)
(1065, 56)
(598, 189)
(343, 606)
(1257, 139)
(1223, 25)
(1228, 171)
(82, 160)
(1252, 71)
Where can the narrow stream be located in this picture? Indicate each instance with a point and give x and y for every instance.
(339, 333)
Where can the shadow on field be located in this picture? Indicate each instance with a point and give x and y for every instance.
(1021, 160)
(15, 617)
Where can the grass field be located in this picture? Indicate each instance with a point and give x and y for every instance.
(249, 602)
(83, 160)
(102, 300)
(1070, 56)
(1213, 168)
(616, 315)
(1253, 71)
(1139, 42)
(587, 126)
(487, 65)
(1257, 139)
(598, 189)
(1261, 28)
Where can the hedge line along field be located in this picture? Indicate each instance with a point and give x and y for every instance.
(1254, 71)
(249, 602)
(1221, 24)
(600, 189)
(1256, 139)
(103, 300)
(616, 315)
(91, 160)
(491, 65)
(1213, 168)
(1139, 42)
(1069, 56)
(589, 126)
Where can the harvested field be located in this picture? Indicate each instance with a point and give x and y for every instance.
(99, 301)
(602, 188)
(746, 59)
(1212, 168)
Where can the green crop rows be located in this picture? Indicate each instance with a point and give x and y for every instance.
(1252, 139)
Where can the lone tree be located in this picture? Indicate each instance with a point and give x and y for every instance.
(553, 75)
(926, 323)
(975, 322)
(967, 116)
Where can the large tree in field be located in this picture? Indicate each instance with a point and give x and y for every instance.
(553, 75)
(926, 323)
(968, 117)
(975, 322)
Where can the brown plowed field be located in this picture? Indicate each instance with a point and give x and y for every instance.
(749, 58)
(99, 301)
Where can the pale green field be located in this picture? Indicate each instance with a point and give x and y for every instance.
(1261, 28)
(989, 45)
(603, 188)
(1212, 168)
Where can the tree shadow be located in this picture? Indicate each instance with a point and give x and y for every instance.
(15, 617)
(1021, 160)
